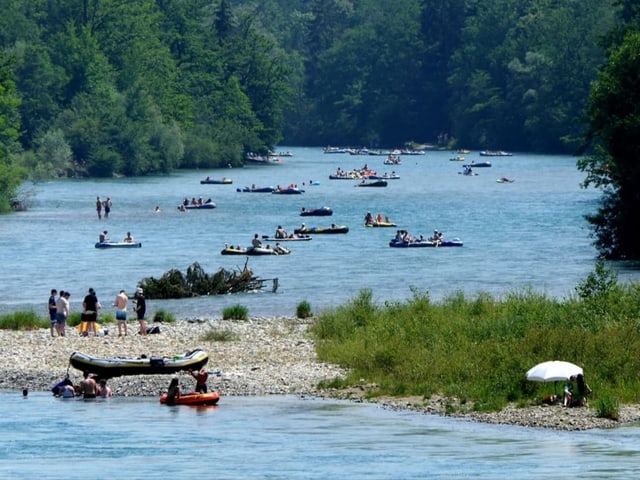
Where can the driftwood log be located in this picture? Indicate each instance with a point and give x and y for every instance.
(196, 282)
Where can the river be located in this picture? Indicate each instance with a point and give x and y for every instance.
(527, 234)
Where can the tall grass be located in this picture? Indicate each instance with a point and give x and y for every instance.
(479, 348)
(23, 321)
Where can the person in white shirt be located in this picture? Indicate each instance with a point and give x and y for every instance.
(62, 313)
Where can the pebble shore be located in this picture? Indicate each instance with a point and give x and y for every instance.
(265, 356)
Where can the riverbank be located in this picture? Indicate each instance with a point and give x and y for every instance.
(265, 356)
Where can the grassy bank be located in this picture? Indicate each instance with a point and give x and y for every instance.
(478, 349)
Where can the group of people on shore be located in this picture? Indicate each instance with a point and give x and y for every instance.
(59, 311)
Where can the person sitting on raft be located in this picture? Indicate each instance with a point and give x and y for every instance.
(281, 232)
(173, 392)
(368, 219)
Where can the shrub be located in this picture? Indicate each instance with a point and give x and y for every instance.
(606, 407)
(74, 319)
(303, 310)
(23, 321)
(107, 318)
(163, 316)
(236, 312)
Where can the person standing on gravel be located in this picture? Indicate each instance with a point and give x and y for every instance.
(141, 310)
(62, 313)
(53, 310)
(120, 303)
(90, 306)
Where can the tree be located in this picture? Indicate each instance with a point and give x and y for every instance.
(614, 116)
(10, 174)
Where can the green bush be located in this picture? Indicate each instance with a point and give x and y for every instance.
(107, 318)
(303, 310)
(163, 316)
(74, 319)
(23, 321)
(607, 407)
(236, 312)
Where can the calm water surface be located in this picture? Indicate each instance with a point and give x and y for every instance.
(288, 437)
(530, 233)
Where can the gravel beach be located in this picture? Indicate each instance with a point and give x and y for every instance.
(265, 356)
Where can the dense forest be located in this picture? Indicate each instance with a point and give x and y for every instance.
(132, 87)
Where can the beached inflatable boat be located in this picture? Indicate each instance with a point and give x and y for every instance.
(119, 366)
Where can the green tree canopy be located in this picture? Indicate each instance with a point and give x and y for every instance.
(614, 114)
(10, 173)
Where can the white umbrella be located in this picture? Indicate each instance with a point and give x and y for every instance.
(553, 371)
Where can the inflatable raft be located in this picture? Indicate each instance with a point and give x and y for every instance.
(118, 245)
(312, 230)
(118, 366)
(194, 398)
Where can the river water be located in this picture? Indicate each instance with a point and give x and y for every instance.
(529, 233)
(288, 438)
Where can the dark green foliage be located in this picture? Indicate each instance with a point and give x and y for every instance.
(23, 321)
(235, 312)
(303, 310)
(608, 408)
(11, 175)
(148, 86)
(127, 84)
(196, 282)
(614, 114)
(164, 316)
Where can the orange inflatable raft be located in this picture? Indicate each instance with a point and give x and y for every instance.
(194, 398)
